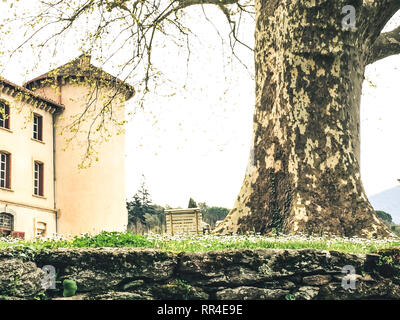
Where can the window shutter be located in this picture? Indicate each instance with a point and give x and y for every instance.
(40, 128)
(8, 171)
(7, 116)
(40, 179)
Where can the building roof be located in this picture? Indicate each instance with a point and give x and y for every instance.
(188, 210)
(13, 89)
(80, 68)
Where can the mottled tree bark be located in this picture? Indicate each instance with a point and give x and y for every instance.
(304, 175)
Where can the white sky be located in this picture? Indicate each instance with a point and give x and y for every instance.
(196, 143)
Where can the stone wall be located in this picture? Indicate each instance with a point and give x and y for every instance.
(132, 274)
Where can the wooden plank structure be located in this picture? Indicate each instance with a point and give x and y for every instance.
(184, 221)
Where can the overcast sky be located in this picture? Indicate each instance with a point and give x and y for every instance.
(195, 143)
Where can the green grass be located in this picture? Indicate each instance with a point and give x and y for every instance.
(204, 243)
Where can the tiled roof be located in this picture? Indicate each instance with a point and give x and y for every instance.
(80, 67)
(13, 89)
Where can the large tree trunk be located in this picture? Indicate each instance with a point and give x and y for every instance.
(304, 175)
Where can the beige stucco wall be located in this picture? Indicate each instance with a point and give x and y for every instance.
(27, 219)
(91, 199)
(28, 209)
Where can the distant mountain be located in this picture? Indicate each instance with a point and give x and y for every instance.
(388, 201)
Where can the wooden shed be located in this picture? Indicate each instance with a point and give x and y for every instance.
(184, 221)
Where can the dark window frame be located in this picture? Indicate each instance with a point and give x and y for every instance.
(10, 217)
(37, 127)
(5, 115)
(5, 170)
(38, 178)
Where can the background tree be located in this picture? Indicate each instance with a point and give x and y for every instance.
(212, 214)
(192, 203)
(138, 207)
(304, 172)
(384, 216)
(143, 215)
(155, 221)
(387, 219)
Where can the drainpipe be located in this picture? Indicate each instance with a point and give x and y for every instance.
(55, 114)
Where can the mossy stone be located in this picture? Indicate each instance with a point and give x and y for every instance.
(70, 288)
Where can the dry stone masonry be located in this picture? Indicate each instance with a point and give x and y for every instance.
(135, 274)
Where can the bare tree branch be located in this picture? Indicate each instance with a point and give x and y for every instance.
(141, 25)
(387, 44)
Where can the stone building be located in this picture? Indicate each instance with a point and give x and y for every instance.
(43, 189)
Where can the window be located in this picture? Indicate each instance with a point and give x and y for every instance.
(37, 127)
(5, 170)
(4, 115)
(38, 179)
(41, 229)
(6, 221)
